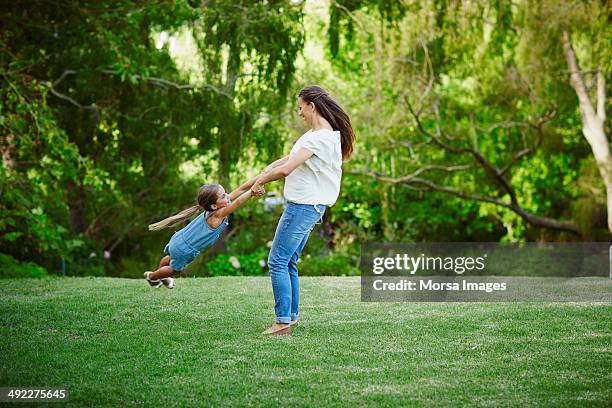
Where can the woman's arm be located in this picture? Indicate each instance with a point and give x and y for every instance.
(283, 170)
(276, 163)
(244, 187)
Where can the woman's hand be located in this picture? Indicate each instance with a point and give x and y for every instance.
(257, 190)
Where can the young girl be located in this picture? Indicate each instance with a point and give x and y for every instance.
(186, 244)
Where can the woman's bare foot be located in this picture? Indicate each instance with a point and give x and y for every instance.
(278, 328)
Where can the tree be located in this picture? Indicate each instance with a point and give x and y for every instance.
(593, 120)
(588, 23)
(465, 73)
(248, 50)
(84, 82)
(87, 72)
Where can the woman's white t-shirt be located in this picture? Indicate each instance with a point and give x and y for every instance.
(317, 180)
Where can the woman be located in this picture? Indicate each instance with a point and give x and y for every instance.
(313, 171)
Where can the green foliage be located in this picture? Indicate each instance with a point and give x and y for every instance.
(12, 268)
(248, 49)
(486, 77)
(255, 263)
(38, 161)
(241, 265)
(342, 21)
(252, 227)
(334, 264)
(96, 121)
(86, 258)
(589, 205)
(102, 134)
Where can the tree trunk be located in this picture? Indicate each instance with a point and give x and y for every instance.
(225, 147)
(592, 121)
(228, 136)
(76, 205)
(228, 140)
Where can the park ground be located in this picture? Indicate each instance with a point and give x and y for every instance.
(117, 342)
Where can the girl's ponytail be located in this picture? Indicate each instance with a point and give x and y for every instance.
(184, 215)
(207, 196)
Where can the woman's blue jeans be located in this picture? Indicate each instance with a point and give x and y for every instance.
(289, 240)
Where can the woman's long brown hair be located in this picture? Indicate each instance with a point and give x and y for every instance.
(334, 114)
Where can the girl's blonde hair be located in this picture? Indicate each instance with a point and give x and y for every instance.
(207, 196)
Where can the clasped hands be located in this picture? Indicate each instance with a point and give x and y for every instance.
(257, 189)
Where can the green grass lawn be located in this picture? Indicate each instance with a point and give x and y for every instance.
(115, 341)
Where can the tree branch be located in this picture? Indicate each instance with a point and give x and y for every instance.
(533, 219)
(164, 83)
(528, 150)
(351, 15)
(410, 177)
(431, 75)
(497, 174)
(484, 163)
(66, 97)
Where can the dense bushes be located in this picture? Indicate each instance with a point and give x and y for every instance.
(338, 264)
(11, 268)
(255, 264)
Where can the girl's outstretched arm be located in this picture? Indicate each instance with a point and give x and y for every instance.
(225, 211)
